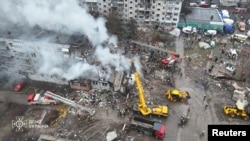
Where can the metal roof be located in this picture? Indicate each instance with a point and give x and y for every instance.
(202, 15)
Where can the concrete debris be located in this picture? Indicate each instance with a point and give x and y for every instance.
(237, 87)
(44, 137)
(111, 136)
(239, 94)
(102, 104)
(130, 138)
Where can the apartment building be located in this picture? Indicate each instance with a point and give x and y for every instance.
(24, 57)
(164, 12)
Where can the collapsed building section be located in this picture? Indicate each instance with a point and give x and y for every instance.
(28, 58)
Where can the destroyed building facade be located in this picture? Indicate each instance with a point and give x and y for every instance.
(22, 57)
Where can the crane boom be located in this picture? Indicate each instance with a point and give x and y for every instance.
(142, 105)
(69, 102)
(153, 47)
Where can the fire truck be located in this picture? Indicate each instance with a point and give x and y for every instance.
(39, 99)
(149, 127)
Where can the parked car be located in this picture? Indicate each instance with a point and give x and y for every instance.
(248, 21)
(19, 86)
(242, 26)
(189, 30)
(192, 4)
(228, 21)
(210, 33)
(238, 37)
(239, 10)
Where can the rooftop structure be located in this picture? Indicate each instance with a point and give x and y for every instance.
(204, 18)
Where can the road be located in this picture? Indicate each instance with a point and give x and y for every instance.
(199, 117)
(13, 97)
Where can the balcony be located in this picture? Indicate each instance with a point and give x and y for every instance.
(114, 4)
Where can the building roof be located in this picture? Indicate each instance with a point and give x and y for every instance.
(202, 15)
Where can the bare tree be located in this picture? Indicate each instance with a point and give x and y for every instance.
(114, 25)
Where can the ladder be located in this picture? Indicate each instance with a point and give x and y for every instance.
(69, 102)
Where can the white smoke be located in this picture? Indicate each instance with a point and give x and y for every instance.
(67, 17)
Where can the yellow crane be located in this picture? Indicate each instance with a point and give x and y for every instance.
(141, 106)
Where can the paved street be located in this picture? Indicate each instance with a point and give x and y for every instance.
(13, 97)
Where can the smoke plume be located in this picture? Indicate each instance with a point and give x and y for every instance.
(66, 17)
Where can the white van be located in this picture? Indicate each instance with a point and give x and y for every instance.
(239, 37)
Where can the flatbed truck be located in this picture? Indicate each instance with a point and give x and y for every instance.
(154, 128)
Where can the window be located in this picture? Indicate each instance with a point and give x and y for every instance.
(125, 5)
(33, 54)
(170, 2)
(105, 84)
(177, 2)
(158, 9)
(130, 7)
(153, 7)
(157, 15)
(130, 13)
(162, 18)
(176, 14)
(163, 13)
(174, 19)
(159, 3)
(176, 8)
(94, 82)
(104, 0)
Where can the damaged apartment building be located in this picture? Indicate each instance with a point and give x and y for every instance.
(22, 57)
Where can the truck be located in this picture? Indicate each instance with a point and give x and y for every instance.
(36, 98)
(154, 128)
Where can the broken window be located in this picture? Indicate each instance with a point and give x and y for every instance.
(94, 82)
(105, 84)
